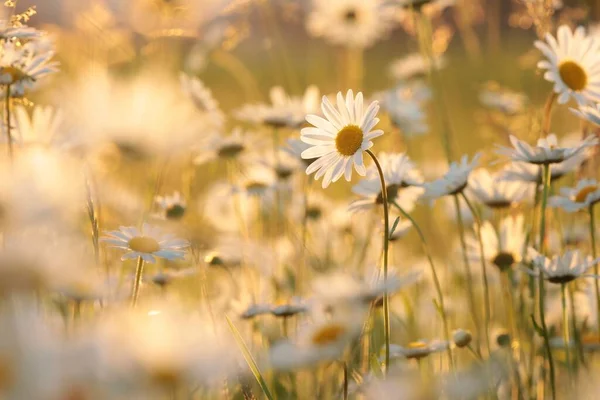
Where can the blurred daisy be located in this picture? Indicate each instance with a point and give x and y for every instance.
(257, 181)
(572, 64)
(220, 147)
(284, 110)
(494, 191)
(22, 65)
(9, 31)
(171, 207)
(166, 277)
(405, 104)
(561, 268)
(590, 113)
(546, 151)
(418, 349)
(502, 248)
(338, 142)
(295, 147)
(583, 196)
(147, 243)
(351, 23)
(413, 65)
(502, 99)
(42, 128)
(203, 99)
(402, 180)
(454, 181)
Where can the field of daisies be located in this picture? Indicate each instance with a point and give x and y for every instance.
(299, 199)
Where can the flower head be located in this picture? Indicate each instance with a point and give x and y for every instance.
(339, 140)
(584, 195)
(171, 207)
(590, 113)
(561, 268)
(503, 249)
(454, 181)
(495, 192)
(147, 243)
(546, 151)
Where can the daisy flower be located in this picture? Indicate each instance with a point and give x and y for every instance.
(546, 151)
(402, 180)
(171, 207)
(590, 113)
(413, 65)
(295, 147)
(10, 31)
(502, 248)
(338, 142)
(454, 181)
(418, 349)
(561, 268)
(42, 127)
(220, 147)
(495, 192)
(405, 104)
(21, 65)
(584, 195)
(203, 99)
(147, 243)
(502, 99)
(351, 23)
(572, 64)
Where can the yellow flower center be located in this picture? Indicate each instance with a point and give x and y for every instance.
(573, 75)
(349, 140)
(583, 193)
(328, 334)
(143, 244)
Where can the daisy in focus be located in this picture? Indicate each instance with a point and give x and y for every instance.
(583, 196)
(546, 151)
(339, 140)
(147, 243)
(572, 64)
(561, 268)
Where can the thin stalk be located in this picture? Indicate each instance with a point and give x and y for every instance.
(546, 189)
(463, 245)
(139, 271)
(7, 111)
(345, 380)
(548, 113)
(576, 338)
(386, 232)
(486, 289)
(436, 280)
(593, 244)
(565, 315)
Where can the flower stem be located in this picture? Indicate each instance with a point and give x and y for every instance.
(386, 233)
(139, 270)
(546, 189)
(593, 244)
(436, 280)
(345, 380)
(548, 113)
(7, 110)
(563, 297)
(486, 289)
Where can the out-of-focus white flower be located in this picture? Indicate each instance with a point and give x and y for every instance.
(351, 23)
(24, 64)
(583, 196)
(590, 113)
(496, 192)
(502, 249)
(546, 151)
(454, 181)
(413, 65)
(418, 349)
(502, 99)
(204, 101)
(171, 207)
(404, 104)
(561, 268)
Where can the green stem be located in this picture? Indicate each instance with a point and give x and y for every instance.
(436, 280)
(565, 315)
(463, 245)
(386, 233)
(593, 244)
(576, 338)
(139, 271)
(486, 289)
(546, 189)
(7, 110)
(345, 380)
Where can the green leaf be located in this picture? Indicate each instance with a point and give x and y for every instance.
(394, 226)
(249, 359)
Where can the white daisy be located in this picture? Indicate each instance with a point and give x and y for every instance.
(502, 99)
(590, 113)
(147, 243)
(220, 147)
(402, 180)
(42, 128)
(584, 195)
(203, 99)
(338, 142)
(454, 181)
(405, 106)
(413, 65)
(9, 31)
(351, 23)
(418, 349)
(573, 64)
(546, 151)
(171, 207)
(525, 172)
(561, 268)
(496, 192)
(22, 65)
(502, 248)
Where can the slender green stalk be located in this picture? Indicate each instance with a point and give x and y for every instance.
(486, 289)
(436, 280)
(345, 380)
(542, 245)
(576, 338)
(463, 245)
(386, 232)
(139, 271)
(593, 244)
(7, 110)
(565, 315)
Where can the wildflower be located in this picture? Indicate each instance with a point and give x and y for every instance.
(546, 151)
(350, 23)
(418, 349)
(502, 249)
(454, 181)
(339, 141)
(561, 268)
(404, 104)
(21, 65)
(501, 99)
(147, 243)
(572, 64)
(171, 207)
(402, 180)
(414, 65)
(42, 128)
(203, 99)
(295, 147)
(590, 113)
(584, 195)
(495, 192)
